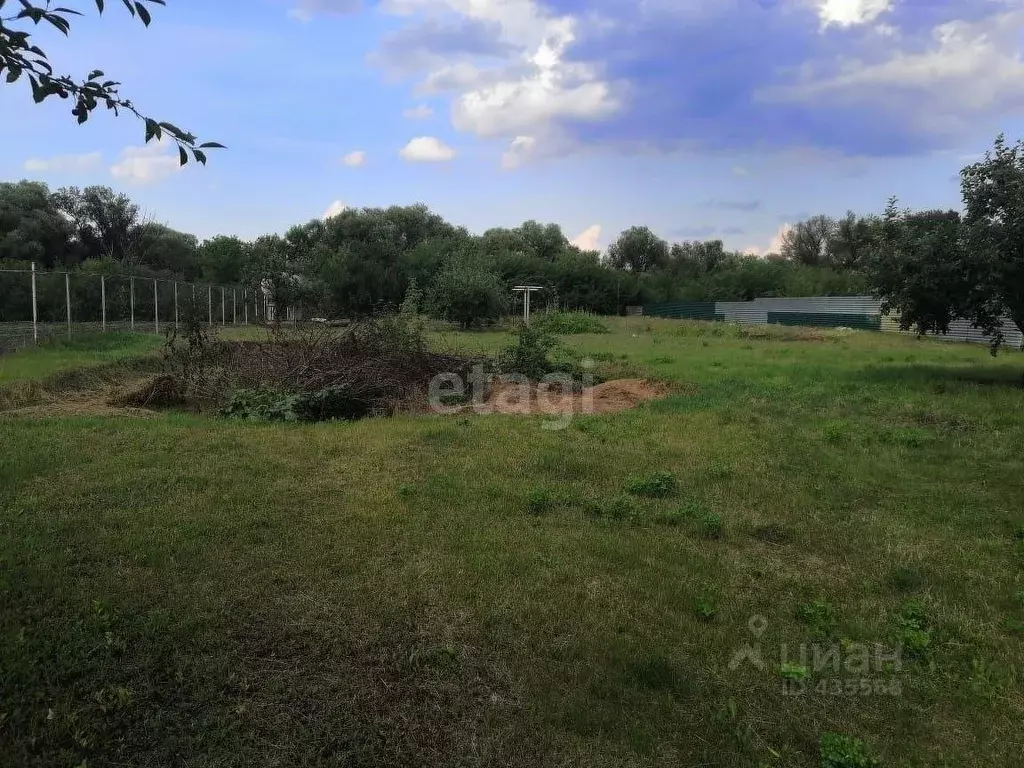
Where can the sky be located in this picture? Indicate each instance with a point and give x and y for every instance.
(725, 119)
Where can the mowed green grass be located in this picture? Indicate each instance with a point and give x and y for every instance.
(479, 590)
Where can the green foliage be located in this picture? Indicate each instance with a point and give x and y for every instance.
(565, 323)
(933, 267)
(539, 501)
(705, 606)
(658, 485)
(820, 618)
(838, 751)
(638, 250)
(19, 57)
(913, 629)
(712, 527)
(622, 508)
(469, 295)
(264, 404)
(529, 355)
(793, 671)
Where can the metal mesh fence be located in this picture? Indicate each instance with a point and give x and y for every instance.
(38, 305)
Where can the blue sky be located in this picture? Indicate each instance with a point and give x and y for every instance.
(699, 118)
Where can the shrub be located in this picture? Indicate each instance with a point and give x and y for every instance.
(819, 616)
(567, 323)
(839, 751)
(657, 485)
(913, 630)
(538, 501)
(330, 403)
(711, 527)
(529, 354)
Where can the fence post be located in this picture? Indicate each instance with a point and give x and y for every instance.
(131, 301)
(234, 308)
(156, 307)
(209, 303)
(35, 314)
(103, 301)
(175, 304)
(245, 306)
(67, 299)
(223, 308)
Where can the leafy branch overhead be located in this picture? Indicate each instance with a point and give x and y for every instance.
(20, 58)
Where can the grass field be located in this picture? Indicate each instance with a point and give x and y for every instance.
(477, 590)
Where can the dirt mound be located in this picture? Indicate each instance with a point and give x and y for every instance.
(610, 397)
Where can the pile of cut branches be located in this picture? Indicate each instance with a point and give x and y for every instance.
(376, 366)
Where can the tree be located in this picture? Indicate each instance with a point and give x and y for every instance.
(19, 57)
(638, 249)
(32, 227)
(852, 240)
(993, 195)
(808, 241)
(920, 269)
(467, 294)
(105, 222)
(223, 259)
(936, 266)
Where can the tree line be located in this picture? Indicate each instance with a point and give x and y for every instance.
(929, 266)
(359, 260)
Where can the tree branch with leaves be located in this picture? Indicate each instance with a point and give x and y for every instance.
(20, 58)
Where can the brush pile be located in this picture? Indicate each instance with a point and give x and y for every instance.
(378, 366)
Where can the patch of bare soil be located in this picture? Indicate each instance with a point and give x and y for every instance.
(610, 397)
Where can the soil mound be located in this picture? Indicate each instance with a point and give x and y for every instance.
(610, 397)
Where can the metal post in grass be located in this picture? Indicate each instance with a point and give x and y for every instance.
(67, 299)
(209, 303)
(156, 308)
(245, 306)
(223, 308)
(131, 302)
(234, 308)
(175, 304)
(35, 312)
(103, 302)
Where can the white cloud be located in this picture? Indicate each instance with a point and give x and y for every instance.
(848, 13)
(739, 170)
(531, 86)
(971, 68)
(354, 159)
(149, 164)
(589, 239)
(427, 149)
(419, 112)
(775, 246)
(334, 209)
(65, 163)
(518, 152)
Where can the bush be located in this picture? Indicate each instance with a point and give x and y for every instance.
(839, 751)
(529, 355)
(567, 323)
(658, 485)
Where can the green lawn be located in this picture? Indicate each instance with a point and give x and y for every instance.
(478, 590)
(78, 352)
